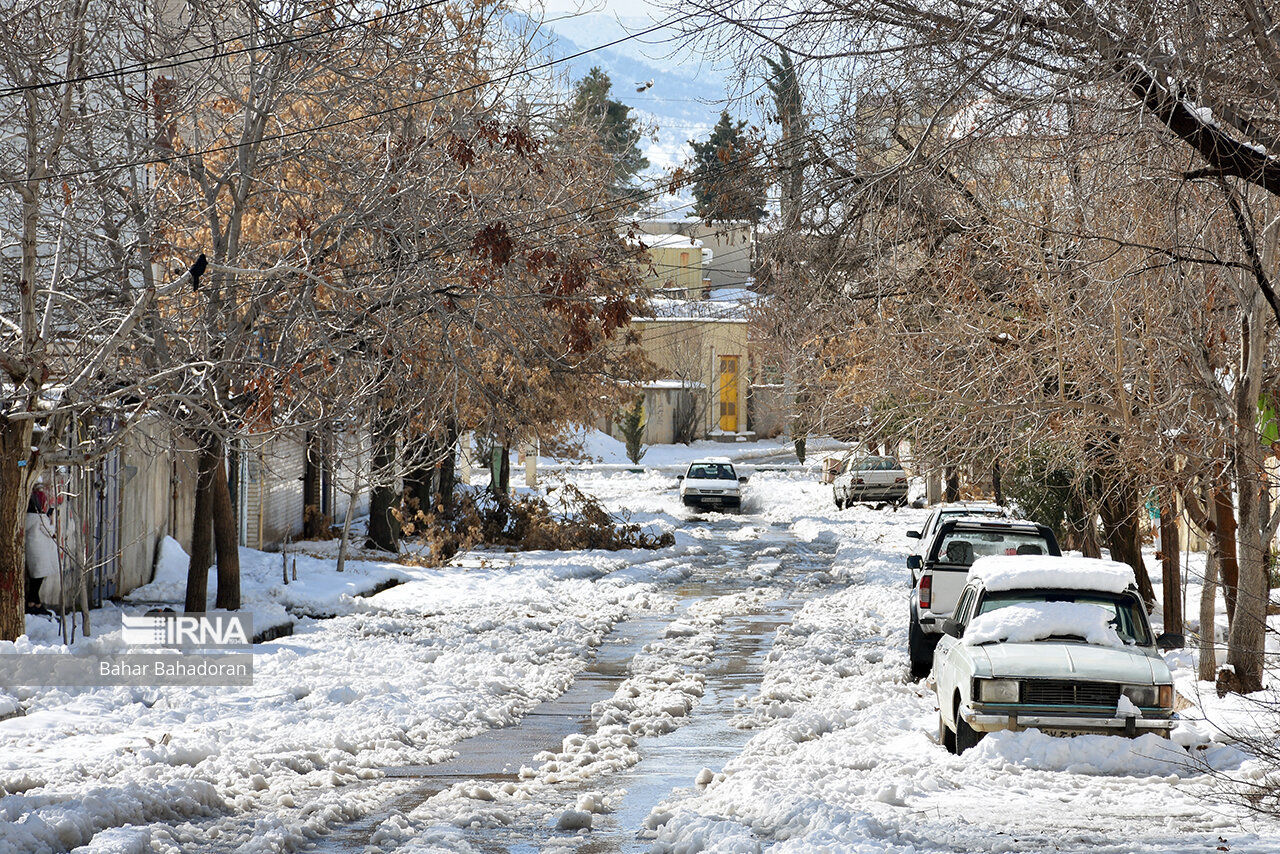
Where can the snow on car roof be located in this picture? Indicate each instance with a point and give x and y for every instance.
(1033, 621)
(711, 460)
(1040, 572)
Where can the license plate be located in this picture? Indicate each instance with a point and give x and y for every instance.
(711, 499)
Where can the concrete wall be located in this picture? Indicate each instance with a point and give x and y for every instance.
(769, 409)
(157, 498)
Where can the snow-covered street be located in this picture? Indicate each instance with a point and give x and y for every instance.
(744, 690)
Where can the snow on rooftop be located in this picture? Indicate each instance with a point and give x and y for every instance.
(664, 384)
(667, 241)
(1040, 572)
(1032, 621)
(667, 308)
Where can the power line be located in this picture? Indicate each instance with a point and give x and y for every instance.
(155, 161)
(155, 64)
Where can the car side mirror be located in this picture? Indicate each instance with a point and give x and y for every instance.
(679, 477)
(1171, 640)
(915, 535)
(743, 479)
(951, 627)
(915, 562)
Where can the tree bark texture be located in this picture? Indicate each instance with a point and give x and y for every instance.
(1121, 506)
(448, 475)
(225, 536)
(15, 444)
(383, 531)
(419, 482)
(201, 531)
(1246, 644)
(1224, 513)
(1170, 565)
(312, 515)
(953, 485)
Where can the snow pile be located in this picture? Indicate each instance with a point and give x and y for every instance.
(1103, 755)
(1033, 621)
(1041, 572)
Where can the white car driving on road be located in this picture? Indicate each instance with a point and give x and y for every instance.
(1058, 644)
(711, 482)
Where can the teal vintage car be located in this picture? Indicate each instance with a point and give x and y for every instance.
(1058, 644)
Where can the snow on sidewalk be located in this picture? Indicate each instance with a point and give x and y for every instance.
(395, 679)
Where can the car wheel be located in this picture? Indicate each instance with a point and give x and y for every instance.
(920, 648)
(966, 736)
(945, 735)
(835, 494)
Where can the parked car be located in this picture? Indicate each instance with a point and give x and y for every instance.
(712, 482)
(956, 510)
(874, 480)
(1057, 644)
(940, 570)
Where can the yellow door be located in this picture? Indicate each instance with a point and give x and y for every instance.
(729, 394)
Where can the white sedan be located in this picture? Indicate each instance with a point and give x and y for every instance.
(711, 482)
(1058, 644)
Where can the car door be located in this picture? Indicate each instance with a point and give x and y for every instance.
(949, 658)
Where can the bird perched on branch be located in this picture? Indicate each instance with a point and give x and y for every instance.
(197, 270)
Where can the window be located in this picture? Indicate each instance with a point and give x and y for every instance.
(963, 547)
(1124, 612)
(711, 471)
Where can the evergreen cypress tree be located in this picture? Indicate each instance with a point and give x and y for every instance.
(727, 183)
(618, 132)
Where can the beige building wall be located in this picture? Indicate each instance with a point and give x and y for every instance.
(673, 268)
(732, 246)
(691, 349)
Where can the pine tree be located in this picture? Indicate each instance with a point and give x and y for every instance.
(788, 106)
(727, 185)
(618, 130)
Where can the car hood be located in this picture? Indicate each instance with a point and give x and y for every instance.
(1052, 660)
(710, 483)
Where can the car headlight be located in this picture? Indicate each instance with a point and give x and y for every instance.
(689, 490)
(1144, 695)
(998, 690)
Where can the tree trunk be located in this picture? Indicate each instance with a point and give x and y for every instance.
(1228, 563)
(1120, 512)
(504, 470)
(312, 514)
(201, 530)
(996, 486)
(1083, 523)
(1171, 569)
(953, 485)
(1208, 666)
(225, 536)
(15, 444)
(447, 478)
(1247, 641)
(383, 530)
(419, 482)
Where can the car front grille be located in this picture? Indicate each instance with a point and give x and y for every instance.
(1064, 692)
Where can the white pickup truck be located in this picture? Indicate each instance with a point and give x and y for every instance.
(940, 570)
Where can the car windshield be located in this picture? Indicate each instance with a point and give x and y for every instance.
(964, 547)
(711, 471)
(1124, 612)
(874, 464)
